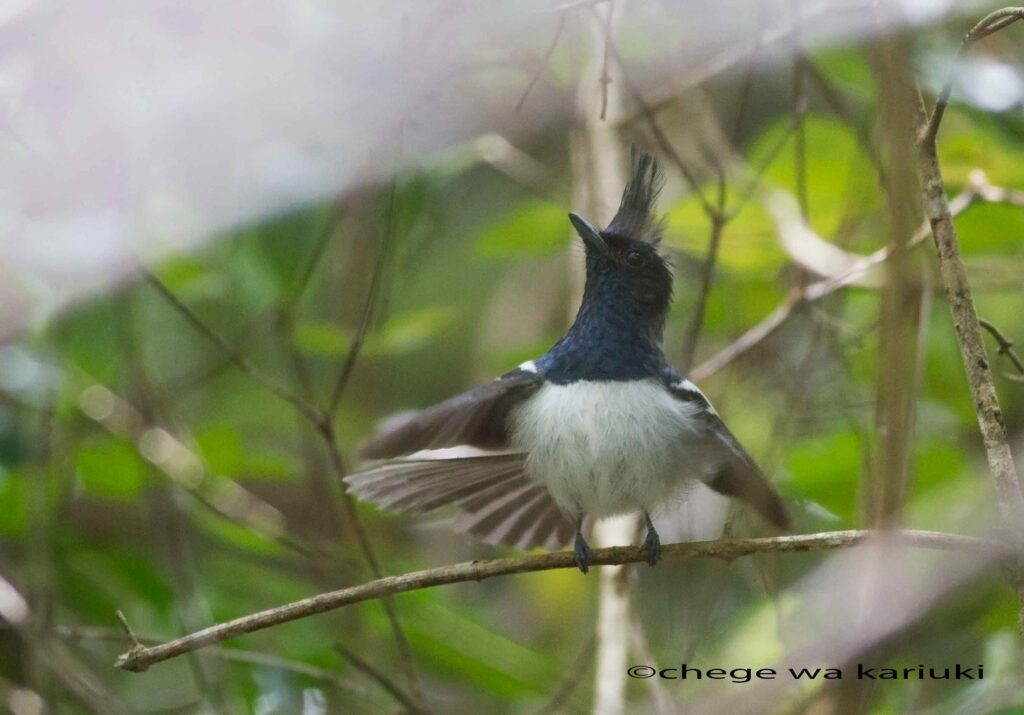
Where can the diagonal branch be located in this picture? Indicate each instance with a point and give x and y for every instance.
(139, 658)
(544, 62)
(370, 304)
(958, 290)
(978, 190)
(320, 420)
(233, 354)
(1009, 496)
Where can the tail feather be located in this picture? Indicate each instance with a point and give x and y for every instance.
(495, 499)
(742, 480)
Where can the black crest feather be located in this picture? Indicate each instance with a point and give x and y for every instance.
(635, 217)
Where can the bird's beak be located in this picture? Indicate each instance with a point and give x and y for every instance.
(590, 235)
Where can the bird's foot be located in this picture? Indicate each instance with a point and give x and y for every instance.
(583, 553)
(652, 545)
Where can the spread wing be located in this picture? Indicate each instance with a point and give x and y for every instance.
(735, 474)
(478, 418)
(495, 499)
(432, 460)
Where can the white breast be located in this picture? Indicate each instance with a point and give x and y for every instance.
(605, 448)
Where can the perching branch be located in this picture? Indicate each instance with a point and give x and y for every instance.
(139, 658)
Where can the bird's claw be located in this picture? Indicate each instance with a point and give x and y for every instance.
(583, 554)
(652, 545)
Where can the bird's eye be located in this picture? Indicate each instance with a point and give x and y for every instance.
(635, 258)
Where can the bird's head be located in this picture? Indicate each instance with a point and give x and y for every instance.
(624, 256)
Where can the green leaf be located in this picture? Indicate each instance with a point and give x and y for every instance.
(825, 469)
(321, 339)
(842, 181)
(110, 468)
(190, 277)
(406, 332)
(13, 511)
(221, 449)
(228, 532)
(537, 228)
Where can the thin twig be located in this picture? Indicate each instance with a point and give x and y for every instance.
(693, 330)
(747, 87)
(330, 223)
(755, 177)
(992, 22)
(370, 304)
(746, 342)
(978, 189)
(75, 677)
(378, 677)
(321, 421)
(1005, 344)
(571, 679)
(253, 657)
(329, 435)
(365, 545)
(606, 78)
(663, 142)
(837, 102)
(138, 660)
(232, 353)
(544, 62)
(185, 468)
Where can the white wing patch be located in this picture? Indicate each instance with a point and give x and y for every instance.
(685, 385)
(529, 366)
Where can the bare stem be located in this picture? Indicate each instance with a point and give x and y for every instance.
(138, 659)
(379, 677)
(1009, 496)
(233, 354)
(370, 304)
(993, 22)
(544, 62)
(1005, 344)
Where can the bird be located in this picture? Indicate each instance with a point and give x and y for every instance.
(598, 426)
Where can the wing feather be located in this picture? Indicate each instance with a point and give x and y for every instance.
(495, 498)
(736, 474)
(477, 418)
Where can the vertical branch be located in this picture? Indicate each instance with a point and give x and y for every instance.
(693, 330)
(1010, 498)
(898, 343)
(598, 161)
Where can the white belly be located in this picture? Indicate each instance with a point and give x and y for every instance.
(605, 448)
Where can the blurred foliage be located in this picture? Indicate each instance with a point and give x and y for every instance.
(88, 524)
